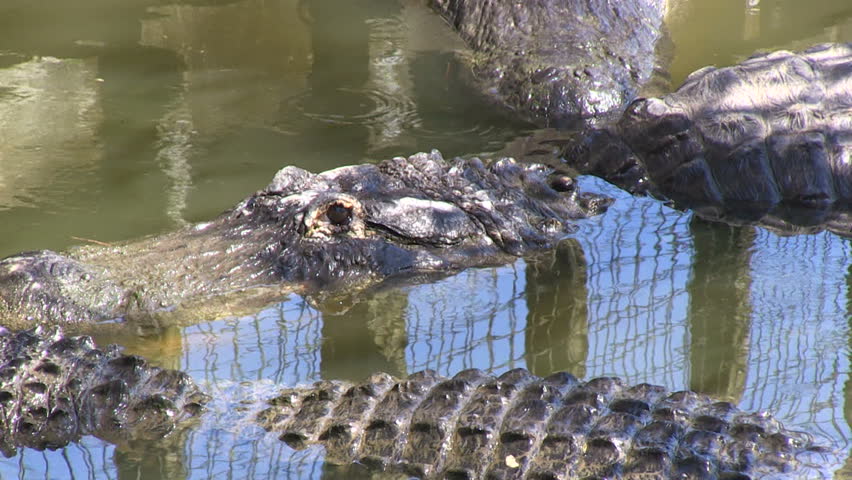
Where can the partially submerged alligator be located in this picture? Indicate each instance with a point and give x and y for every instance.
(517, 425)
(768, 141)
(346, 227)
(536, 59)
(54, 389)
(788, 145)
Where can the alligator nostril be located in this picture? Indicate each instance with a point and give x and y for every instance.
(338, 214)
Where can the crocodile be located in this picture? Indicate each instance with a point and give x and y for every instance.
(346, 228)
(54, 389)
(518, 425)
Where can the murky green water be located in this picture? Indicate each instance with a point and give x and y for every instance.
(121, 119)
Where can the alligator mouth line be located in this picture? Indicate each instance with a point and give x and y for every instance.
(401, 238)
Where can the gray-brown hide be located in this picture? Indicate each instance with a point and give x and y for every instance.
(54, 389)
(767, 141)
(344, 228)
(519, 426)
(560, 63)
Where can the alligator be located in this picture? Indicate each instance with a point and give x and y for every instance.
(355, 226)
(765, 142)
(54, 389)
(518, 425)
(781, 158)
(768, 141)
(535, 58)
(346, 228)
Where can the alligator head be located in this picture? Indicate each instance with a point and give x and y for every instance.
(351, 226)
(419, 214)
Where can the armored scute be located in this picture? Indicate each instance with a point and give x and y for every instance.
(518, 426)
(769, 139)
(54, 389)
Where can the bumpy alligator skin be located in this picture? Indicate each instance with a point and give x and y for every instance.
(55, 389)
(767, 141)
(351, 226)
(555, 62)
(521, 426)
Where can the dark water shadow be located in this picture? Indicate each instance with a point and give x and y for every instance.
(556, 334)
(719, 308)
(369, 337)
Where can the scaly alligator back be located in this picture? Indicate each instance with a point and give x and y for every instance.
(55, 389)
(518, 425)
(559, 63)
(769, 139)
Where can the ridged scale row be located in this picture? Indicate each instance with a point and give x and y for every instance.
(773, 130)
(55, 389)
(517, 425)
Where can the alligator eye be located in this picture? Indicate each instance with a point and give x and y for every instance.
(562, 183)
(338, 214)
(334, 214)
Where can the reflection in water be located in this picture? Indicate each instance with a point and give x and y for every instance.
(239, 59)
(471, 320)
(621, 305)
(206, 101)
(557, 334)
(846, 471)
(388, 75)
(749, 26)
(140, 86)
(92, 132)
(719, 308)
(175, 150)
(165, 459)
(49, 115)
(339, 99)
(369, 337)
(638, 267)
(163, 346)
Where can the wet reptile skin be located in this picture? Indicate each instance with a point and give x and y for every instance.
(55, 388)
(344, 229)
(518, 425)
(767, 141)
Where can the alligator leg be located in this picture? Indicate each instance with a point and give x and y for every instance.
(768, 141)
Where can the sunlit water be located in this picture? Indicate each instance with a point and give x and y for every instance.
(121, 121)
